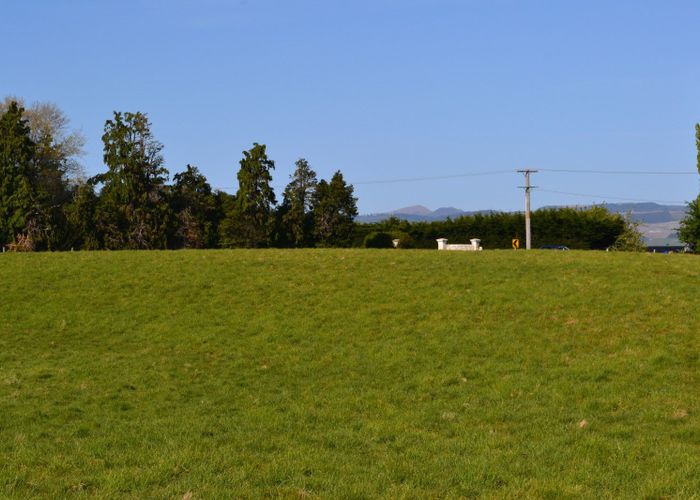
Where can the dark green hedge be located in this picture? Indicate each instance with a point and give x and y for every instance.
(592, 229)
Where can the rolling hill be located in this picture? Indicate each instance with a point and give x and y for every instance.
(349, 373)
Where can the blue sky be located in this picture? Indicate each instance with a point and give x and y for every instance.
(384, 89)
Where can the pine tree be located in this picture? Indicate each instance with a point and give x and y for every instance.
(18, 197)
(133, 211)
(80, 213)
(249, 223)
(335, 209)
(57, 172)
(297, 219)
(194, 205)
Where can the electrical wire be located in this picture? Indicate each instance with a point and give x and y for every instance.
(502, 172)
(434, 177)
(542, 170)
(615, 172)
(416, 179)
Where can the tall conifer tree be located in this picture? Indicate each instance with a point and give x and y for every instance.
(133, 211)
(335, 209)
(195, 209)
(249, 223)
(18, 197)
(297, 218)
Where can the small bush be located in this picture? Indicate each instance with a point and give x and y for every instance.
(405, 239)
(379, 239)
(631, 239)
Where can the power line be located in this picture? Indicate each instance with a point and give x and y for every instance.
(604, 197)
(549, 170)
(412, 179)
(502, 172)
(616, 172)
(434, 177)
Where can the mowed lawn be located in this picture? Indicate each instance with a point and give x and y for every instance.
(349, 374)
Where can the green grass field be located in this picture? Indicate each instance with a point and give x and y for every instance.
(349, 374)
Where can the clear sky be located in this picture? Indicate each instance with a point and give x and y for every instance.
(384, 89)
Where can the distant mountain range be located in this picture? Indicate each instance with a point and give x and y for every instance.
(648, 213)
(656, 221)
(419, 213)
(644, 213)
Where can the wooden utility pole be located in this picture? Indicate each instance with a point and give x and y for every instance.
(527, 187)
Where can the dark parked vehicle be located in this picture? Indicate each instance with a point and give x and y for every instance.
(554, 247)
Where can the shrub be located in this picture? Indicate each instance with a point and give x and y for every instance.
(405, 239)
(631, 239)
(379, 239)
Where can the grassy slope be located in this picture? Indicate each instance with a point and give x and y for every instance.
(349, 374)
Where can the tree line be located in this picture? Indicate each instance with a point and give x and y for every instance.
(47, 204)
